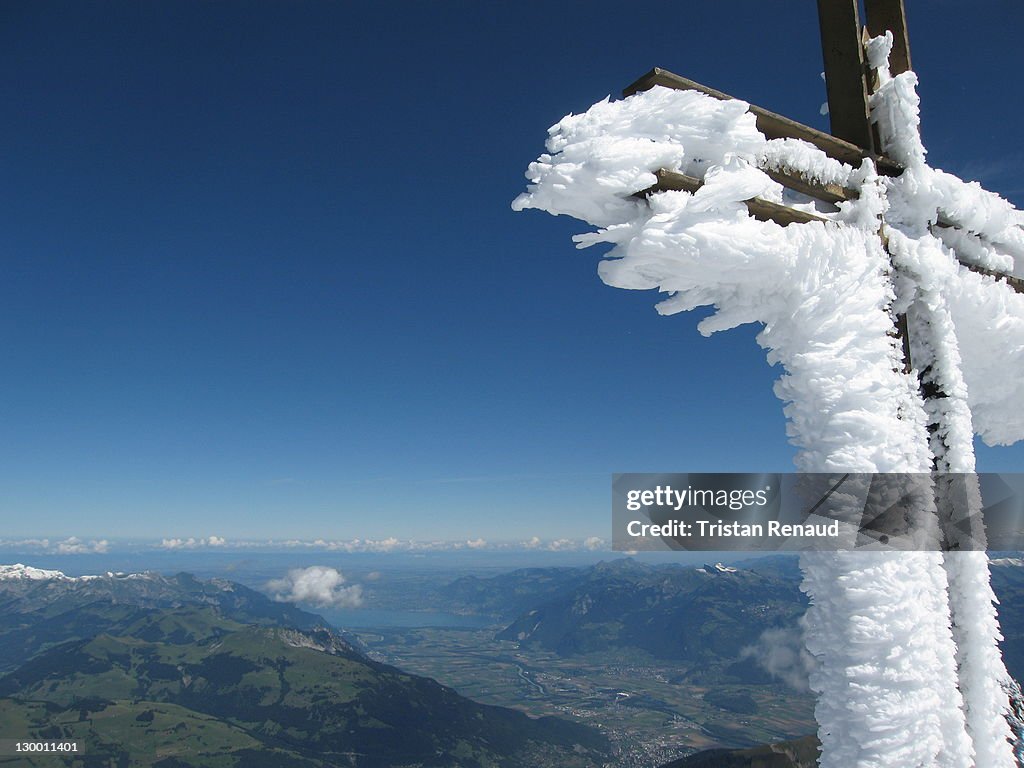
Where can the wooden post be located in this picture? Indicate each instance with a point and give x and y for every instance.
(890, 15)
(845, 74)
(853, 137)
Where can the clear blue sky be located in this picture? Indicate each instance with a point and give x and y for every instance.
(261, 276)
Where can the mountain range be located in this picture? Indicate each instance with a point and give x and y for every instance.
(690, 615)
(176, 672)
(705, 616)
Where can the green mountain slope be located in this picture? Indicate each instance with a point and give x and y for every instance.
(193, 686)
(143, 734)
(42, 612)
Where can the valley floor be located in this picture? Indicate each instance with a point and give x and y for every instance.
(652, 711)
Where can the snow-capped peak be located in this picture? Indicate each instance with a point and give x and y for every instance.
(717, 568)
(1015, 562)
(21, 571)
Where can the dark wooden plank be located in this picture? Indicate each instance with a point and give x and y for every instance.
(673, 181)
(830, 193)
(780, 214)
(772, 125)
(1017, 283)
(845, 74)
(890, 15)
(944, 221)
(759, 209)
(902, 331)
(659, 76)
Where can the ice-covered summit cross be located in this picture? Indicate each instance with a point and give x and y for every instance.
(890, 293)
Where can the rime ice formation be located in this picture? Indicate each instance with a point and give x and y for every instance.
(909, 673)
(918, 198)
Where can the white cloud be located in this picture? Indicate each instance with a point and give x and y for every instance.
(318, 585)
(69, 546)
(25, 543)
(192, 543)
(561, 545)
(75, 546)
(178, 543)
(389, 544)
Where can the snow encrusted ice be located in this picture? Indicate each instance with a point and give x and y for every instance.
(821, 290)
(909, 673)
(934, 278)
(990, 325)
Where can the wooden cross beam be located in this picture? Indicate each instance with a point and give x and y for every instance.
(822, 411)
(852, 139)
(895, 439)
(765, 210)
(771, 124)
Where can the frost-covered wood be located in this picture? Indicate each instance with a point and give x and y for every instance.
(771, 124)
(909, 673)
